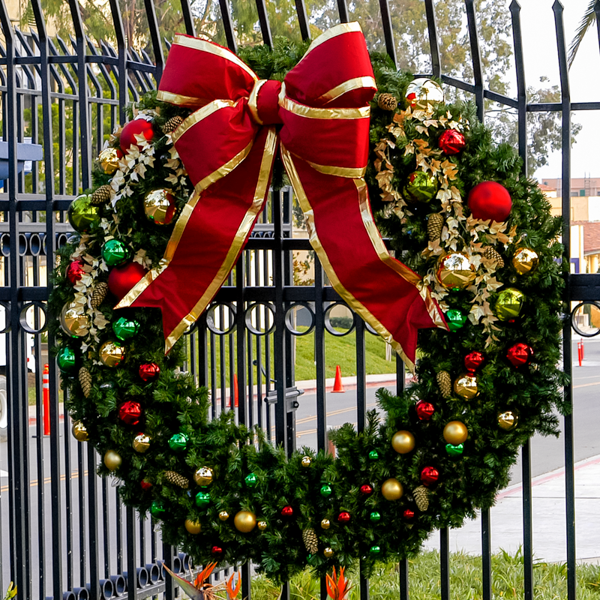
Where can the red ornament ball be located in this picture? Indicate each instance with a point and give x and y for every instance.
(122, 279)
(366, 489)
(429, 475)
(145, 484)
(408, 514)
(130, 412)
(149, 371)
(519, 354)
(216, 551)
(474, 360)
(75, 271)
(344, 517)
(451, 141)
(490, 200)
(139, 126)
(287, 511)
(424, 410)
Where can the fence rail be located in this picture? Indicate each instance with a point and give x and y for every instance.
(64, 531)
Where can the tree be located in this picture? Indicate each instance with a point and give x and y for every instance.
(588, 19)
(409, 25)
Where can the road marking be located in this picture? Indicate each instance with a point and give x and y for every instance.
(74, 475)
(332, 413)
(585, 385)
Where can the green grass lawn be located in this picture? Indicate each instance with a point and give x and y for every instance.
(550, 580)
(339, 350)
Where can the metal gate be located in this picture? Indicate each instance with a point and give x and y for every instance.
(64, 531)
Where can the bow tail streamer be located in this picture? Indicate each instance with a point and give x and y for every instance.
(349, 246)
(206, 242)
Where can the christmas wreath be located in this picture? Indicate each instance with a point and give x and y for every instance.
(458, 212)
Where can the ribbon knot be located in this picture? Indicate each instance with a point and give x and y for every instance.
(264, 102)
(228, 146)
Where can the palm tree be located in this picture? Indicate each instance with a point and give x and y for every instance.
(589, 18)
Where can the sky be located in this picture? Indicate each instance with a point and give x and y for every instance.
(541, 58)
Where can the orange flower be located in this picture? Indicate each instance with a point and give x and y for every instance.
(338, 587)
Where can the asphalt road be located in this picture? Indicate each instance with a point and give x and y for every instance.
(547, 455)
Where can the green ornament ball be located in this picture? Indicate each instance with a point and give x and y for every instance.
(456, 319)
(326, 490)
(115, 253)
(178, 442)
(420, 187)
(454, 450)
(251, 480)
(125, 328)
(374, 517)
(374, 550)
(373, 455)
(82, 214)
(157, 510)
(509, 304)
(202, 499)
(66, 360)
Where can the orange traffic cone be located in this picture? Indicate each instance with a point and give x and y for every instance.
(338, 388)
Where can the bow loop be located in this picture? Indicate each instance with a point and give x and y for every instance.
(198, 72)
(320, 80)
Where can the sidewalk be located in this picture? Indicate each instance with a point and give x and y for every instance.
(549, 520)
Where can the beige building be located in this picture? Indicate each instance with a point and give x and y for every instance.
(581, 186)
(585, 225)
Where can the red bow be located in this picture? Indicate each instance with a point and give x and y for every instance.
(320, 115)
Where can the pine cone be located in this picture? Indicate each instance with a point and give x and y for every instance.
(492, 254)
(387, 102)
(85, 379)
(311, 541)
(420, 495)
(445, 382)
(172, 124)
(435, 223)
(101, 195)
(99, 294)
(177, 479)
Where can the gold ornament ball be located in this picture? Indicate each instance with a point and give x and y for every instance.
(525, 261)
(455, 271)
(141, 443)
(262, 525)
(466, 386)
(204, 476)
(193, 527)
(112, 354)
(509, 304)
(159, 206)
(72, 321)
(392, 489)
(508, 420)
(424, 93)
(328, 552)
(245, 521)
(325, 524)
(403, 442)
(80, 432)
(112, 460)
(109, 160)
(455, 433)
(223, 515)
(306, 461)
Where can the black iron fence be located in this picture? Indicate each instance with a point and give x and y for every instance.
(64, 531)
